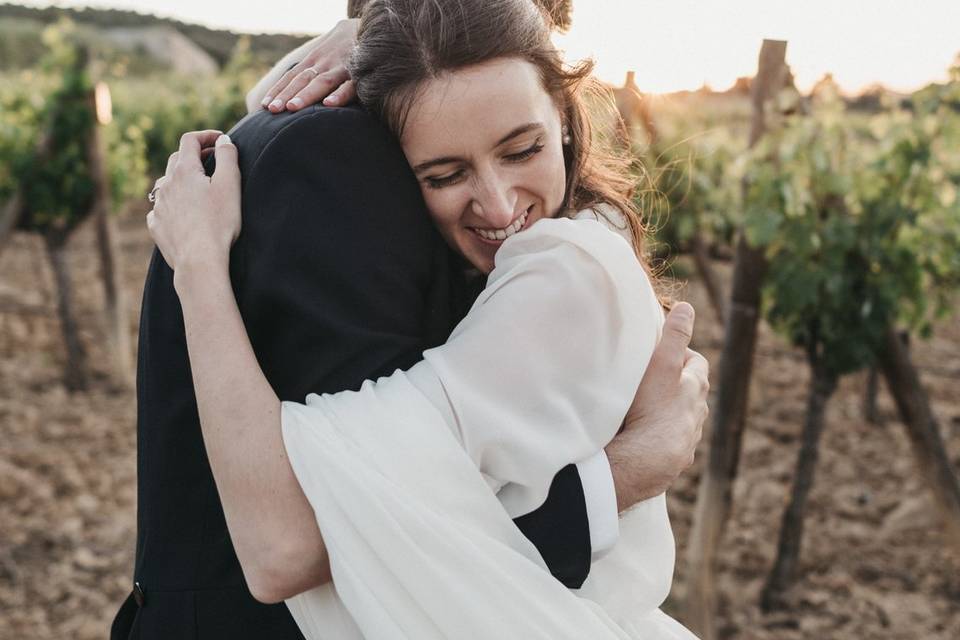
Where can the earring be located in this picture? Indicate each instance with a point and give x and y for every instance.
(565, 135)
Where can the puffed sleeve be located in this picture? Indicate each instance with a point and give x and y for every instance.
(544, 366)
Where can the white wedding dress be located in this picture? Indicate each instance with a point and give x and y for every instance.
(402, 474)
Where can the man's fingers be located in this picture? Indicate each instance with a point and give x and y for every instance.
(318, 88)
(191, 144)
(345, 94)
(698, 368)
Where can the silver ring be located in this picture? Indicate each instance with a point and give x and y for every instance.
(152, 196)
(314, 71)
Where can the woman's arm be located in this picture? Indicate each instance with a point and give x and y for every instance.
(268, 516)
(272, 525)
(274, 530)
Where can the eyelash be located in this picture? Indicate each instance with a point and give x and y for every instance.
(522, 156)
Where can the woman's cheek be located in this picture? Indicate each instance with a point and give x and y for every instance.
(441, 203)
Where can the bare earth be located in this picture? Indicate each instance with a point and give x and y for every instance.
(874, 564)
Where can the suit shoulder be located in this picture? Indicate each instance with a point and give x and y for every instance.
(261, 133)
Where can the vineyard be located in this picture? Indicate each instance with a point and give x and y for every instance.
(819, 242)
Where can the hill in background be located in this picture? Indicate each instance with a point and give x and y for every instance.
(142, 34)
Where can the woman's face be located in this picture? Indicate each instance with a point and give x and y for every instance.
(485, 145)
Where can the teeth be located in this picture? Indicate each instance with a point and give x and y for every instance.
(506, 232)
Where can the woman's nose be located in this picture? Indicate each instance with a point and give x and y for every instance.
(495, 202)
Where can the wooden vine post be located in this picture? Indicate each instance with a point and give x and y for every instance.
(903, 381)
(10, 212)
(708, 276)
(714, 497)
(823, 383)
(76, 114)
(115, 310)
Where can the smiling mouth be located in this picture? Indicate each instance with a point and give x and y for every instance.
(497, 236)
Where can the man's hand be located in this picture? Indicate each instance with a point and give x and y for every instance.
(321, 75)
(664, 424)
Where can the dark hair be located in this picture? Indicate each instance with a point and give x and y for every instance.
(401, 44)
(560, 11)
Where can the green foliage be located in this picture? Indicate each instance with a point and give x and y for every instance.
(50, 107)
(57, 185)
(696, 168)
(162, 108)
(45, 122)
(858, 214)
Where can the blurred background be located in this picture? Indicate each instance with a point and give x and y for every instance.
(799, 164)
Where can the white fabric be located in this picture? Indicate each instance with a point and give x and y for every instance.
(600, 498)
(599, 492)
(419, 546)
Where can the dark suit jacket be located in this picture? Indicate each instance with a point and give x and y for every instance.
(340, 277)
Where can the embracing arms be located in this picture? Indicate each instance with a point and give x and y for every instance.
(275, 534)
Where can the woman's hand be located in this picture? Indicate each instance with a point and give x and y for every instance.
(321, 75)
(196, 219)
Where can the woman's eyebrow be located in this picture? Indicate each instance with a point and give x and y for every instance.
(423, 166)
(518, 131)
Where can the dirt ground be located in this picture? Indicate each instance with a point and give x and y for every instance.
(874, 561)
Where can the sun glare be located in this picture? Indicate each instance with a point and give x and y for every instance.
(683, 44)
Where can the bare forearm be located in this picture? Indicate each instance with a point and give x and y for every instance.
(637, 471)
(271, 522)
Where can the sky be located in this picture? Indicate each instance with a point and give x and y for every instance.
(680, 44)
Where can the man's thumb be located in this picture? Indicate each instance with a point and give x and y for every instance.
(677, 333)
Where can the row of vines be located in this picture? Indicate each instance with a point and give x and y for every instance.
(844, 230)
(79, 142)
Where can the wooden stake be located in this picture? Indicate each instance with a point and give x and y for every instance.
(714, 497)
(74, 375)
(709, 277)
(822, 386)
(115, 311)
(10, 214)
(930, 452)
(870, 412)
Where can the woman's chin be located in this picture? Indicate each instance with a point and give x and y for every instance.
(482, 260)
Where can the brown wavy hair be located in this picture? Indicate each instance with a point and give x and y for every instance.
(402, 44)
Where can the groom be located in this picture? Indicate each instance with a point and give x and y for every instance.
(340, 277)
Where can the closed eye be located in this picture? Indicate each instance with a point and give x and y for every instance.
(438, 182)
(526, 154)
(444, 181)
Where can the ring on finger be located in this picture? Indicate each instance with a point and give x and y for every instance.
(313, 71)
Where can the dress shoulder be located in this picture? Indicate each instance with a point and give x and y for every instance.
(587, 237)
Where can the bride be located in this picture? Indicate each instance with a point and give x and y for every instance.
(543, 369)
